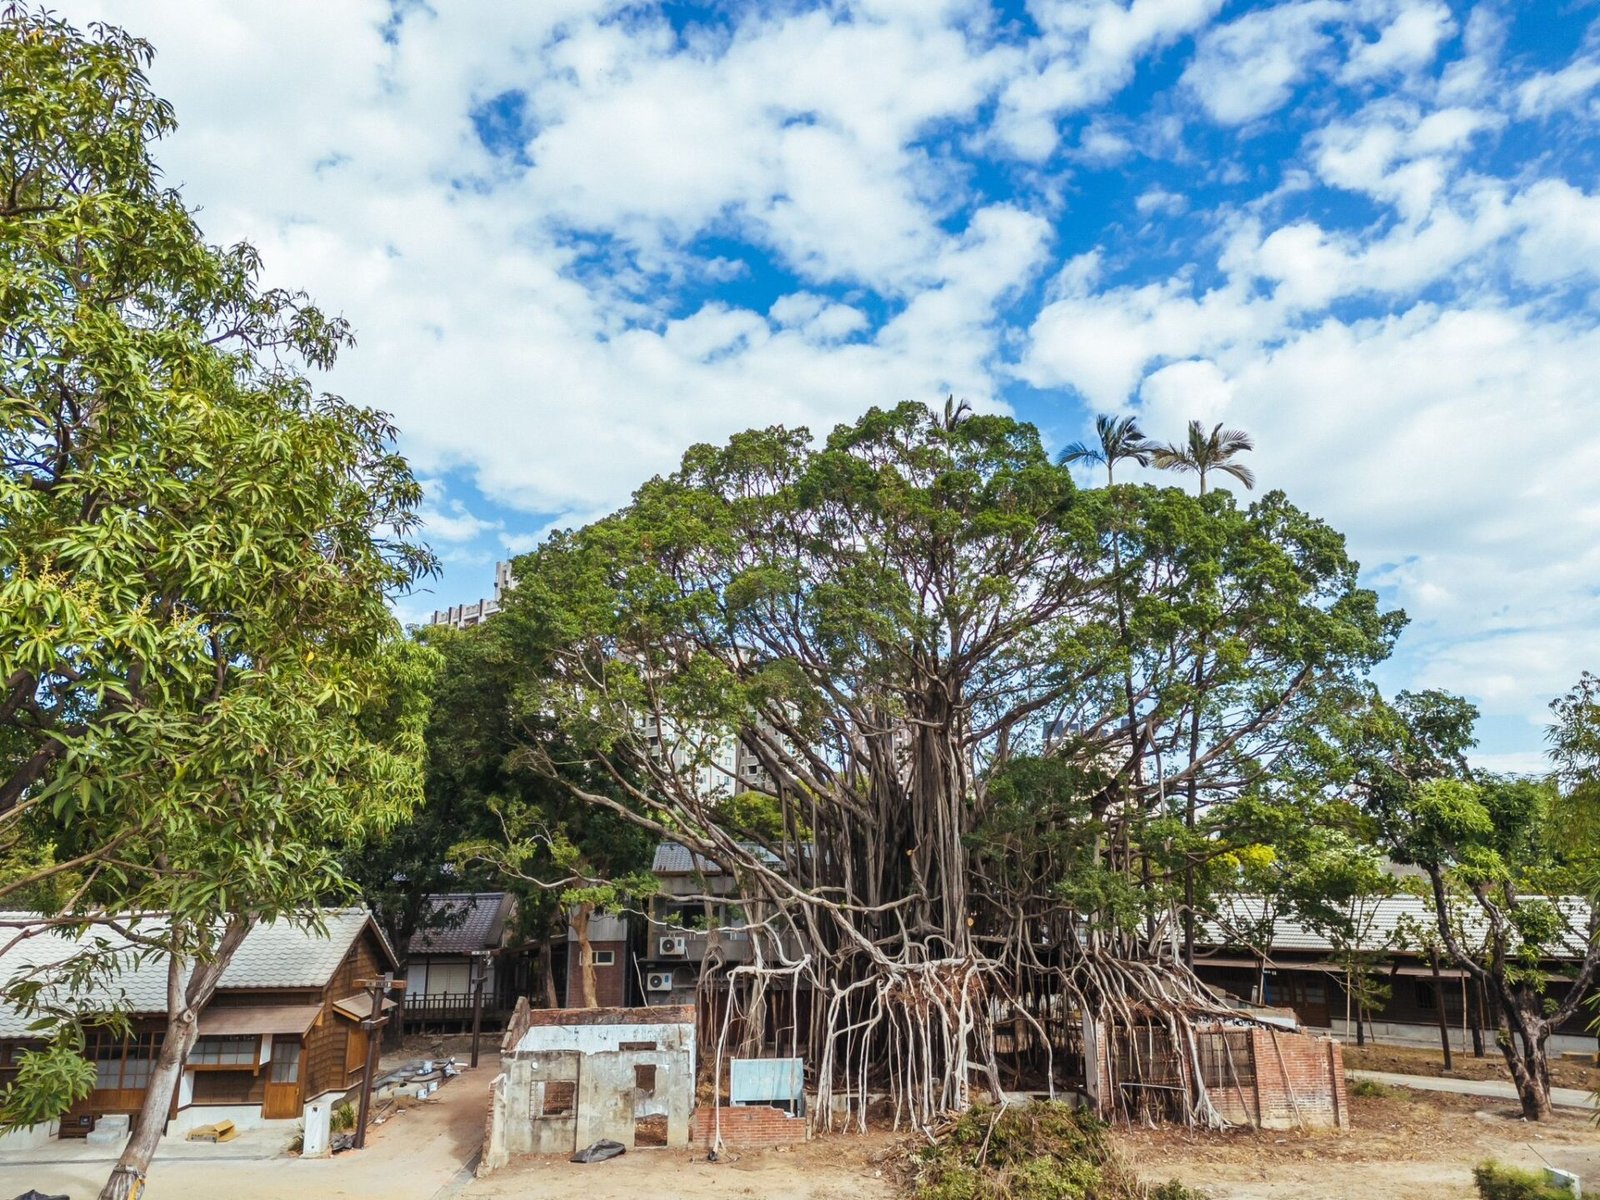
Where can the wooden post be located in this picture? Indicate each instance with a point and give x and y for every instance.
(1438, 1003)
(376, 989)
(480, 971)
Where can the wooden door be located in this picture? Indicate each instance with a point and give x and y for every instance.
(1308, 996)
(282, 1097)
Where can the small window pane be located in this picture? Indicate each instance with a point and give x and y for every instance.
(285, 1061)
(225, 1050)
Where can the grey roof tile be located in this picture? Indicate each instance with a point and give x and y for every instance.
(279, 955)
(461, 922)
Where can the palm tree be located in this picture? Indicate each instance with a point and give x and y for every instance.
(1206, 452)
(1120, 438)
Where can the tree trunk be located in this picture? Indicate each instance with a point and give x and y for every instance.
(580, 926)
(134, 1163)
(1438, 1006)
(1474, 1007)
(1524, 1050)
(185, 1000)
(547, 965)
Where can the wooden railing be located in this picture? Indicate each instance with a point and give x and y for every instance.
(449, 1006)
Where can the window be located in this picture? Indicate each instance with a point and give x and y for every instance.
(140, 1063)
(627, 1046)
(125, 1064)
(644, 1079)
(1427, 998)
(285, 1060)
(559, 1097)
(604, 958)
(226, 1051)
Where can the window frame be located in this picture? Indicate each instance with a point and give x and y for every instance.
(254, 1063)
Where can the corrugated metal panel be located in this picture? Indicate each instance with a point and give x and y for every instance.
(766, 1080)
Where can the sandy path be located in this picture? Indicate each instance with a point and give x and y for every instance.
(410, 1157)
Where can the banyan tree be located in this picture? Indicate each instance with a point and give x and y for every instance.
(973, 703)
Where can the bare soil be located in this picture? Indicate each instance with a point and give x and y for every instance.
(1408, 1144)
(1414, 1060)
(829, 1168)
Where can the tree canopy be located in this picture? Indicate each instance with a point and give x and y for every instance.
(889, 624)
(203, 685)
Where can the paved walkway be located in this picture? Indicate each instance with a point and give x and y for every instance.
(1490, 1089)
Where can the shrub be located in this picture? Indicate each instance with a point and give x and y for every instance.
(1030, 1152)
(1498, 1182)
(343, 1117)
(1370, 1089)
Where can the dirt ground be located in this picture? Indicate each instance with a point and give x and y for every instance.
(1402, 1146)
(829, 1168)
(1414, 1060)
(1405, 1145)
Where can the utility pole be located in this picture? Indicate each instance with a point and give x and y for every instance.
(480, 973)
(377, 989)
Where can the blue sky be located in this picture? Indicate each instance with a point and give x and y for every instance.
(576, 236)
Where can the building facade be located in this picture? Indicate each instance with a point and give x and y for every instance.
(281, 1036)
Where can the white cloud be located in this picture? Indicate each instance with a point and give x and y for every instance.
(795, 211)
(1551, 91)
(1411, 40)
(1086, 52)
(1248, 67)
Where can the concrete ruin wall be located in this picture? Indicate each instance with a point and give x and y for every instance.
(570, 1077)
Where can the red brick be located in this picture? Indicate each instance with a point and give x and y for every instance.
(746, 1125)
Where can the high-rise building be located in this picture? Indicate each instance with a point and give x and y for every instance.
(464, 616)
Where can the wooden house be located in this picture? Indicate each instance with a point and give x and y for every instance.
(454, 928)
(282, 1032)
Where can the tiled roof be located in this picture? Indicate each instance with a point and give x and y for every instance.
(1385, 923)
(462, 922)
(674, 859)
(279, 955)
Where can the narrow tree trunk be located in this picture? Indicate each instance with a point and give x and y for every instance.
(185, 1000)
(134, 1163)
(547, 965)
(394, 1028)
(1474, 1007)
(1438, 1007)
(580, 926)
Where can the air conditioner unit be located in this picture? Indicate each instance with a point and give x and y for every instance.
(658, 981)
(673, 947)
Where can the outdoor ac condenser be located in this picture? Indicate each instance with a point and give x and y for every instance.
(658, 981)
(670, 946)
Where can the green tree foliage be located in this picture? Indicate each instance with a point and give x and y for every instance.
(489, 818)
(1499, 863)
(203, 688)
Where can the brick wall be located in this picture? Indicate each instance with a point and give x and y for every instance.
(610, 983)
(747, 1125)
(1299, 1080)
(516, 1026)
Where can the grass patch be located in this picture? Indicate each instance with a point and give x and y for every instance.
(1498, 1182)
(1030, 1152)
(1369, 1089)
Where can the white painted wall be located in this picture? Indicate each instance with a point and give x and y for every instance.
(593, 1039)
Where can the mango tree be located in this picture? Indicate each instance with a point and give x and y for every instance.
(202, 688)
